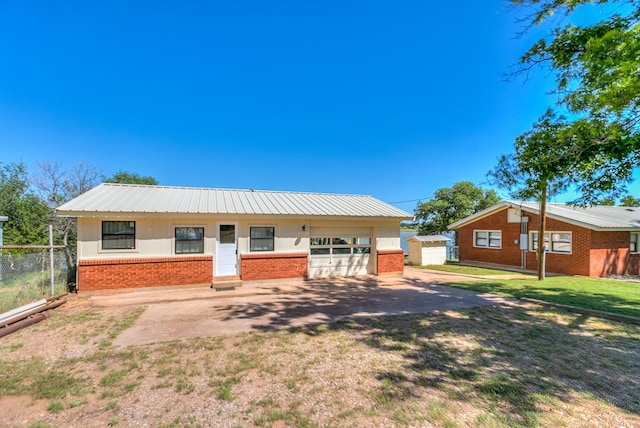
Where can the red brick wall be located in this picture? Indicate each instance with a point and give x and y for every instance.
(509, 254)
(273, 266)
(610, 254)
(144, 272)
(576, 263)
(633, 265)
(390, 262)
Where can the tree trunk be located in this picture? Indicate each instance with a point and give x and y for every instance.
(542, 225)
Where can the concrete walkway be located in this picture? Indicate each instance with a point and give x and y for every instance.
(179, 313)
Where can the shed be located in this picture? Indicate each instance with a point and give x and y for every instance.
(428, 250)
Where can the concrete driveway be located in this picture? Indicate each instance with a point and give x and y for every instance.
(178, 313)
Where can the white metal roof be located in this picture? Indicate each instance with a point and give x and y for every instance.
(601, 217)
(428, 238)
(108, 198)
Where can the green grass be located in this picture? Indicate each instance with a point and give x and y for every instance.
(29, 287)
(467, 270)
(606, 295)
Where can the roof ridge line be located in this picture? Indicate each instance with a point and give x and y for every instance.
(158, 186)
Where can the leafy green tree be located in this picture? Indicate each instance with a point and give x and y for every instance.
(536, 169)
(124, 177)
(630, 201)
(450, 204)
(29, 216)
(597, 82)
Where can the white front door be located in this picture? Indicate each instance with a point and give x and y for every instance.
(226, 250)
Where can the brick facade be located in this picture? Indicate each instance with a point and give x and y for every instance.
(390, 262)
(593, 253)
(150, 272)
(144, 272)
(610, 255)
(273, 266)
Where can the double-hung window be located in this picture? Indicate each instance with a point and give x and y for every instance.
(556, 242)
(189, 240)
(261, 238)
(633, 244)
(118, 235)
(487, 238)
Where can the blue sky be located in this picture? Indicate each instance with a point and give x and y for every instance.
(394, 100)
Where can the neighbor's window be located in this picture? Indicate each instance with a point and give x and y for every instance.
(556, 242)
(118, 235)
(189, 240)
(261, 238)
(633, 246)
(487, 238)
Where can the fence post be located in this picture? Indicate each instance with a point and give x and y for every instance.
(51, 267)
(3, 220)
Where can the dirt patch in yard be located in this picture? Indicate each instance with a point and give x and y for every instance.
(487, 366)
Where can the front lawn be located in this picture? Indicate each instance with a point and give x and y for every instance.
(613, 296)
(484, 367)
(467, 270)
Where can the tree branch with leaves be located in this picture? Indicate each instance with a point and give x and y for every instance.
(597, 81)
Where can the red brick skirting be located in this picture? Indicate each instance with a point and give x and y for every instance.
(390, 262)
(144, 272)
(257, 266)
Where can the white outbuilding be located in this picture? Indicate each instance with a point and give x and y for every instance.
(428, 250)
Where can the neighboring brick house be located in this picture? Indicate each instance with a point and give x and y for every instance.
(595, 241)
(141, 236)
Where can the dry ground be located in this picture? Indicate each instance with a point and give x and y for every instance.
(490, 367)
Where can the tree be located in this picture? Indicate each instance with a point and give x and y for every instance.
(28, 215)
(57, 185)
(452, 204)
(630, 201)
(536, 170)
(597, 83)
(125, 177)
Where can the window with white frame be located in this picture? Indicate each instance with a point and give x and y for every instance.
(189, 240)
(556, 242)
(633, 244)
(487, 238)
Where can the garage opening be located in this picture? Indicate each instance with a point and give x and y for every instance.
(340, 252)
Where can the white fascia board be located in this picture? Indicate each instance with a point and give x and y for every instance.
(123, 214)
(481, 214)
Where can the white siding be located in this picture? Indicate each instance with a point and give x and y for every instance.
(427, 252)
(434, 255)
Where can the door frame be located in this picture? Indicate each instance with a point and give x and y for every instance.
(215, 264)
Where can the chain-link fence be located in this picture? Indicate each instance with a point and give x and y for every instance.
(452, 254)
(25, 276)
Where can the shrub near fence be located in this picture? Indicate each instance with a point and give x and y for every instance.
(25, 276)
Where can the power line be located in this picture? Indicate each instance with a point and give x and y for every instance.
(490, 182)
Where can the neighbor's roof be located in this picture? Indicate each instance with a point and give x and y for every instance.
(428, 238)
(111, 199)
(601, 217)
